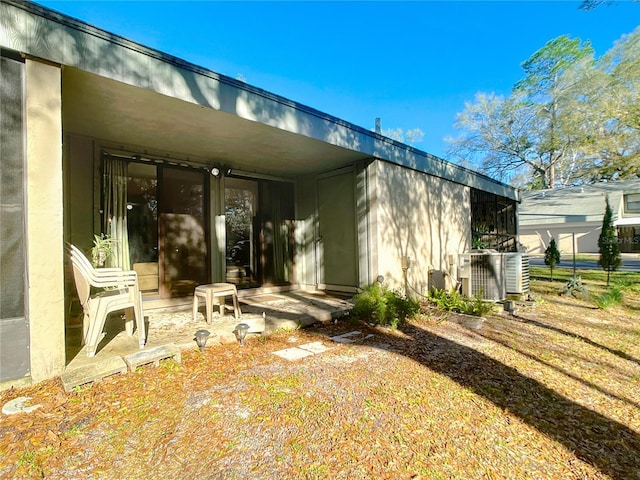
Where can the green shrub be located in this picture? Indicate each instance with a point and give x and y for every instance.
(454, 301)
(627, 285)
(613, 296)
(610, 259)
(378, 304)
(552, 256)
(574, 287)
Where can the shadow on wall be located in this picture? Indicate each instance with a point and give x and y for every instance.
(422, 217)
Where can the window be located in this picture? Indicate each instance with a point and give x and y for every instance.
(632, 203)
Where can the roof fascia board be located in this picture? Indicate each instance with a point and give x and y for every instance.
(559, 220)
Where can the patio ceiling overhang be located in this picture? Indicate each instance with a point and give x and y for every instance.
(139, 119)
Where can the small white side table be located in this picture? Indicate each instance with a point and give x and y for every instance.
(215, 290)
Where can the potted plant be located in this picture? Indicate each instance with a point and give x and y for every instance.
(102, 249)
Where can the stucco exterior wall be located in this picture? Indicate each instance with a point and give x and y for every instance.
(536, 239)
(44, 220)
(420, 216)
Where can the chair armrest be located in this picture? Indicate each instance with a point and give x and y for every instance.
(121, 278)
(101, 270)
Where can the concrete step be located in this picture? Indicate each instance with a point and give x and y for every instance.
(98, 368)
(92, 372)
(153, 355)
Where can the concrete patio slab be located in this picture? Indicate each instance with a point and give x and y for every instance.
(172, 329)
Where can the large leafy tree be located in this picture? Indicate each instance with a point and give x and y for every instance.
(497, 132)
(529, 132)
(612, 116)
(549, 87)
(571, 119)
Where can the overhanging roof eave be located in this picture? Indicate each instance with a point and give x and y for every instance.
(83, 46)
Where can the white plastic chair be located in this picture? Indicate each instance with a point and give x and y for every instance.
(118, 291)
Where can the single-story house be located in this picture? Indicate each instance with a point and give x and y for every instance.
(200, 178)
(577, 213)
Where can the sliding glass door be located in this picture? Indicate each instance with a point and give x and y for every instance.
(167, 229)
(259, 230)
(142, 224)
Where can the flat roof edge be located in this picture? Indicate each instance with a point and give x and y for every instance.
(382, 147)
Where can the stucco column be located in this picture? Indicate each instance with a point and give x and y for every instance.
(45, 250)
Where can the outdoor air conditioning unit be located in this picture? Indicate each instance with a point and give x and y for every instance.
(483, 273)
(517, 272)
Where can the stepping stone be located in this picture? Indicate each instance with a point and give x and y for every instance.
(293, 353)
(153, 355)
(302, 351)
(314, 347)
(18, 405)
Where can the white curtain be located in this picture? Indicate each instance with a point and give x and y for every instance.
(115, 210)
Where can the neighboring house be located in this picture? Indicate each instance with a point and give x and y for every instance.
(577, 212)
(200, 178)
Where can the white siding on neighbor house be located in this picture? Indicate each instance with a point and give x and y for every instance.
(419, 216)
(572, 210)
(537, 239)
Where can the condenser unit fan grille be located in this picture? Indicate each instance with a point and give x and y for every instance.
(487, 276)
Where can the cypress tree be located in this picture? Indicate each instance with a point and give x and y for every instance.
(610, 258)
(552, 256)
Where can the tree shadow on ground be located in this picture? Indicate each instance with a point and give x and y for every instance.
(563, 371)
(600, 441)
(570, 304)
(618, 353)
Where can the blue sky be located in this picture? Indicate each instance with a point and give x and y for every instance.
(413, 64)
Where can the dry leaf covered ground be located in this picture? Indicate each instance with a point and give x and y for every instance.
(552, 393)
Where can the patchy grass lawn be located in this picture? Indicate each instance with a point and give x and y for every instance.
(550, 393)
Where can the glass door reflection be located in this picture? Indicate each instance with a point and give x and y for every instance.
(240, 201)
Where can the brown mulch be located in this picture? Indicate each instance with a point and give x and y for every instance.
(551, 393)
